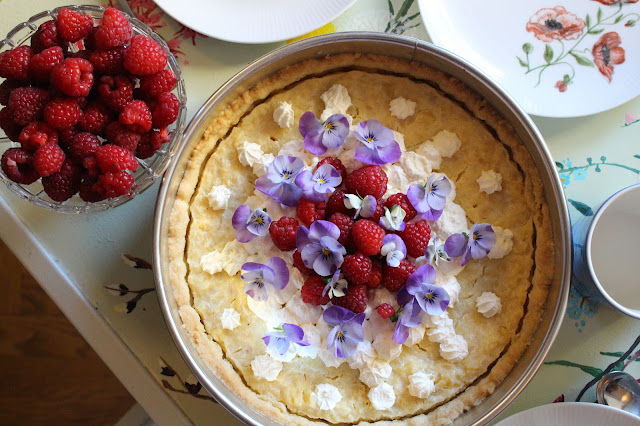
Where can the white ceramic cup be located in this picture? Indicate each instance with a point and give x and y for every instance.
(606, 253)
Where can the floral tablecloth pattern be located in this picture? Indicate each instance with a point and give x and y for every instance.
(595, 156)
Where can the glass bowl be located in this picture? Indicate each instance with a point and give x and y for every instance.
(148, 170)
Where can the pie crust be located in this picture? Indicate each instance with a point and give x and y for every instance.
(521, 279)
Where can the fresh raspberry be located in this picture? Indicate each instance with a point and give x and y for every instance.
(144, 56)
(90, 165)
(90, 40)
(26, 104)
(65, 136)
(112, 158)
(11, 129)
(14, 63)
(283, 233)
(345, 223)
(36, 134)
(356, 268)
(47, 36)
(335, 203)
(17, 164)
(41, 64)
(120, 135)
(375, 278)
(65, 183)
(6, 88)
(73, 77)
(354, 300)
(367, 180)
(337, 164)
(87, 192)
(83, 145)
(393, 278)
(312, 290)
(80, 54)
(401, 200)
(136, 116)
(160, 82)
(96, 117)
(115, 92)
(72, 25)
(114, 31)
(48, 159)
(416, 237)
(160, 137)
(114, 184)
(164, 109)
(310, 211)
(107, 61)
(299, 263)
(367, 236)
(62, 113)
(385, 310)
(151, 141)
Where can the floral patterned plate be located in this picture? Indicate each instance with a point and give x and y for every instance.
(571, 414)
(557, 59)
(254, 21)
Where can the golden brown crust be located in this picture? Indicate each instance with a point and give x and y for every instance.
(190, 201)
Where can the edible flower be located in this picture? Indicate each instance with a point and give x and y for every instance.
(365, 207)
(435, 252)
(393, 220)
(320, 136)
(335, 287)
(315, 186)
(281, 339)
(279, 181)
(429, 200)
(431, 298)
(319, 247)
(394, 249)
(249, 224)
(275, 274)
(379, 145)
(347, 330)
(475, 245)
(410, 317)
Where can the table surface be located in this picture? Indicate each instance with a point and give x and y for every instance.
(96, 267)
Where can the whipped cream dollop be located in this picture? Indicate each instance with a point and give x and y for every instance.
(230, 259)
(452, 221)
(490, 181)
(447, 143)
(326, 396)
(218, 197)
(266, 367)
(454, 348)
(421, 384)
(283, 114)
(336, 101)
(402, 108)
(230, 319)
(382, 397)
(375, 372)
(249, 153)
(488, 304)
(503, 245)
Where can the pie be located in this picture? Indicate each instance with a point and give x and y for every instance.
(450, 362)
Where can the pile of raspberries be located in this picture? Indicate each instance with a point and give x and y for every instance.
(363, 266)
(84, 101)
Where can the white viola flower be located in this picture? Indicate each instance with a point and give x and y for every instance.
(393, 220)
(435, 252)
(365, 207)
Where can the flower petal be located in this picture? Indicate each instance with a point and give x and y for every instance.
(422, 276)
(334, 315)
(321, 228)
(302, 237)
(294, 333)
(455, 245)
(417, 196)
(369, 205)
(308, 123)
(336, 130)
(256, 292)
(280, 272)
(241, 217)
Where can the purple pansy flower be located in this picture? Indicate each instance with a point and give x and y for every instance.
(315, 186)
(281, 339)
(393, 220)
(249, 224)
(319, 247)
(429, 200)
(431, 298)
(335, 287)
(275, 273)
(394, 249)
(379, 146)
(279, 181)
(365, 207)
(476, 245)
(410, 317)
(320, 136)
(347, 330)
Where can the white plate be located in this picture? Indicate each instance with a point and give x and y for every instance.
(571, 414)
(491, 34)
(254, 21)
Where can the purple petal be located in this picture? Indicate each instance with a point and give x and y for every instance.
(485, 236)
(284, 168)
(276, 341)
(294, 333)
(259, 223)
(305, 180)
(327, 265)
(280, 272)
(422, 276)
(302, 237)
(331, 337)
(397, 241)
(369, 205)
(336, 130)
(400, 333)
(434, 300)
(417, 195)
(368, 156)
(313, 142)
(436, 201)
(389, 153)
(310, 253)
(335, 315)
(241, 217)
(440, 186)
(432, 214)
(456, 245)
(252, 266)
(289, 195)
(321, 228)
(244, 236)
(308, 123)
(403, 297)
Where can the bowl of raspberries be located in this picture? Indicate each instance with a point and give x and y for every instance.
(92, 106)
